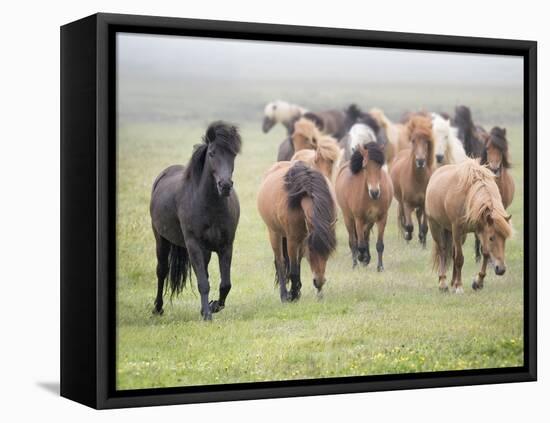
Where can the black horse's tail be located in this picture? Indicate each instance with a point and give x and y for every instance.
(302, 181)
(179, 269)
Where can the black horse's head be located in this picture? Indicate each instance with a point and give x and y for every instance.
(222, 142)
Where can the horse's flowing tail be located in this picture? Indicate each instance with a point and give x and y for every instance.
(179, 269)
(301, 182)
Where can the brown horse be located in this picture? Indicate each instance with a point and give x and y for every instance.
(496, 157)
(325, 158)
(364, 192)
(305, 135)
(464, 198)
(410, 174)
(298, 207)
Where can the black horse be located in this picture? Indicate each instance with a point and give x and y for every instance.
(195, 212)
(472, 136)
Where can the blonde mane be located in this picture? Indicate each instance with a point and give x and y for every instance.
(446, 140)
(482, 196)
(392, 132)
(327, 150)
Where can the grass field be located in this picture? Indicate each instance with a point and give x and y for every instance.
(368, 323)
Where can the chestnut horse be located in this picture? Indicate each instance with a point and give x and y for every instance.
(495, 156)
(410, 174)
(298, 207)
(364, 192)
(464, 198)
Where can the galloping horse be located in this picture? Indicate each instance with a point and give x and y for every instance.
(410, 174)
(460, 199)
(325, 158)
(281, 112)
(298, 207)
(194, 212)
(448, 147)
(496, 157)
(471, 135)
(364, 192)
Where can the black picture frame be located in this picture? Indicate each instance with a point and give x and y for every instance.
(88, 130)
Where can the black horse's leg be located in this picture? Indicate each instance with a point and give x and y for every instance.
(225, 273)
(197, 256)
(477, 248)
(163, 250)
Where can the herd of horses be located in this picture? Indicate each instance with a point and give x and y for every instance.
(449, 172)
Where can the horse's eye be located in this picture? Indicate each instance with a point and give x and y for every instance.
(491, 238)
(211, 153)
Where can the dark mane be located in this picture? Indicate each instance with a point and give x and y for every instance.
(302, 181)
(375, 153)
(220, 133)
(497, 138)
(467, 131)
(355, 115)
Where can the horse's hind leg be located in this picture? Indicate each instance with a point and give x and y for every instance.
(295, 281)
(163, 251)
(381, 226)
(281, 268)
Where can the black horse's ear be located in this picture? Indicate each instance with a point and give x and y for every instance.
(210, 135)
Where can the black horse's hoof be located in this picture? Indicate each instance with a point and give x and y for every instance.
(476, 286)
(294, 296)
(158, 312)
(444, 290)
(408, 236)
(380, 268)
(206, 315)
(215, 306)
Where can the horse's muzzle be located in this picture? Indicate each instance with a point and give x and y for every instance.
(500, 270)
(420, 163)
(225, 187)
(439, 158)
(374, 194)
(496, 171)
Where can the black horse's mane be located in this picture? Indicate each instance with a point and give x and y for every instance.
(497, 138)
(375, 153)
(220, 133)
(356, 115)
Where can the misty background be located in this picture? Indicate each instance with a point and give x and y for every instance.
(175, 78)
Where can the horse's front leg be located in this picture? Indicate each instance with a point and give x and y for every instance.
(196, 257)
(458, 259)
(422, 226)
(407, 214)
(477, 284)
(477, 248)
(381, 226)
(224, 257)
(363, 254)
(352, 238)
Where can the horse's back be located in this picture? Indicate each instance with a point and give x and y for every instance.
(271, 199)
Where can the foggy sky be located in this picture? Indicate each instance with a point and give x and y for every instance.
(216, 59)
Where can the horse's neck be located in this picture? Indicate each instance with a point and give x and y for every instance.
(207, 190)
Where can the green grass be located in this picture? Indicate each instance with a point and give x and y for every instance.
(368, 323)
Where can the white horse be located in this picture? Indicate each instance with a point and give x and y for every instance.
(448, 147)
(358, 134)
(281, 112)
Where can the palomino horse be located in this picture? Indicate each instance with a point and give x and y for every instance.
(195, 212)
(364, 192)
(298, 208)
(496, 157)
(281, 112)
(448, 147)
(325, 158)
(410, 174)
(472, 136)
(460, 199)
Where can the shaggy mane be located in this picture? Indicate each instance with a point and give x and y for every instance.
(497, 139)
(482, 196)
(375, 154)
(420, 125)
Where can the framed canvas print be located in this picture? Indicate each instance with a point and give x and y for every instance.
(257, 211)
